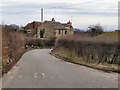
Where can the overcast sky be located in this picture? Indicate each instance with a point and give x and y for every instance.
(82, 13)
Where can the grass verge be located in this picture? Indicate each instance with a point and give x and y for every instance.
(67, 56)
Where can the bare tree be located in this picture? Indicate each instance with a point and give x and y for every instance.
(95, 30)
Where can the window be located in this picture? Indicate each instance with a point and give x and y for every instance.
(59, 31)
(36, 31)
(54, 33)
(33, 26)
(29, 30)
(65, 31)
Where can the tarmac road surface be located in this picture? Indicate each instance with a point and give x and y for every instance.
(39, 69)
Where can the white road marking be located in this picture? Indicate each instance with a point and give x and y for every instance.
(43, 74)
(9, 73)
(11, 77)
(35, 75)
(14, 66)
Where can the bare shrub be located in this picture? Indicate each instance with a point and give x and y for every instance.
(101, 50)
(12, 48)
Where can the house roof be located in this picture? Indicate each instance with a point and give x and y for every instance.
(65, 24)
(34, 22)
(57, 25)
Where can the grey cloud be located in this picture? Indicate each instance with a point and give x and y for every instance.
(34, 8)
(31, 11)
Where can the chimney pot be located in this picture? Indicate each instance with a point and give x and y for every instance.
(53, 19)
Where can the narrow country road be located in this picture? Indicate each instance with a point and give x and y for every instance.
(39, 69)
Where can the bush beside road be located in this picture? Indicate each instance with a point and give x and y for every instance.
(98, 52)
(15, 44)
(12, 48)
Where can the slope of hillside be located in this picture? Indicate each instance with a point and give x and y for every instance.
(113, 34)
(110, 36)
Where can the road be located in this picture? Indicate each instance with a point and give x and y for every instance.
(39, 69)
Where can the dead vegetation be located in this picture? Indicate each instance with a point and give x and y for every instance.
(100, 50)
(12, 48)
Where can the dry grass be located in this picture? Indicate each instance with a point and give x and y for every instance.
(12, 48)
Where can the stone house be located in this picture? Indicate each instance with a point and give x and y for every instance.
(54, 29)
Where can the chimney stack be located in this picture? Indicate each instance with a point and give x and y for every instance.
(69, 23)
(42, 15)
